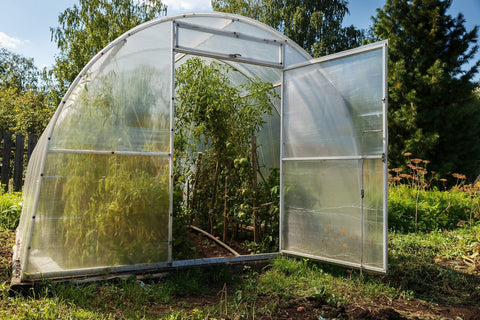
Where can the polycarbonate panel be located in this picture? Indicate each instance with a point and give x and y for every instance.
(293, 53)
(100, 211)
(323, 211)
(223, 42)
(374, 224)
(333, 169)
(331, 107)
(30, 189)
(123, 102)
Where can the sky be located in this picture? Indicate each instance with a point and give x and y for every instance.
(25, 24)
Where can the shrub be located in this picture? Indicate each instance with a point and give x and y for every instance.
(10, 209)
(434, 209)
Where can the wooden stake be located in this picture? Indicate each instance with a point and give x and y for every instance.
(256, 231)
(195, 181)
(214, 196)
(225, 212)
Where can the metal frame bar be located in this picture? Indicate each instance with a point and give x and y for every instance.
(334, 261)
(360, 157)
(385, 153)
(174, 39)
(105, 152)
(159, 266)
(282, 132)
(227, 57)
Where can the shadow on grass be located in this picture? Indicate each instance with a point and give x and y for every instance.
(431, 279)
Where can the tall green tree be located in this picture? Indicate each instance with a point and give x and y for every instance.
(25, 105)
(316, 25)
(16, 71)
(432, 110)
(88, 27)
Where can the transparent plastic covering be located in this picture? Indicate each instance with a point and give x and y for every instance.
(98, 186)
(334, 153)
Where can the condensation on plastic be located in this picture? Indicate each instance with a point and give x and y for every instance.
(330, 117)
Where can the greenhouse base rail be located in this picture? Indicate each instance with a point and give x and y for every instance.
(144, 272)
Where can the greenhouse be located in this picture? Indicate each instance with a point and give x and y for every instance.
(210, 121)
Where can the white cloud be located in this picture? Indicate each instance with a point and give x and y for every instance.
(188, 5)
(9, 42)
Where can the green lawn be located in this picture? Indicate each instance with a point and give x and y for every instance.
(432, 275)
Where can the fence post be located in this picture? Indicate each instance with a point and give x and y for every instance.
(32, 142)
(7, 150)
(18, 163)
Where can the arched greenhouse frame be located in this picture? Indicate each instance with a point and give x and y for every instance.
(99, 190)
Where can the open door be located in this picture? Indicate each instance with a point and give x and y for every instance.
(334, 159)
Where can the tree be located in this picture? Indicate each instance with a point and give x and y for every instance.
(87, 28)
(16, 71)
(25, 106)
(432, 111)
(314, 25)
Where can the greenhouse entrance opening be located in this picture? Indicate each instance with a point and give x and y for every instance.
(214, 122)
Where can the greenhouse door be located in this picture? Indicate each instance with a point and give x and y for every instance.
(333, 171)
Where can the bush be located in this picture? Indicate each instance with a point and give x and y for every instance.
(434, 209)
(10, 209)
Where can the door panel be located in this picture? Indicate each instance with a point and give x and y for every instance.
(334, 144)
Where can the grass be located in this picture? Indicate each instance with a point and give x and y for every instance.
(422, 272)
(432, 275)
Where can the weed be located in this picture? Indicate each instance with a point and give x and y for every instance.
(10, 209)
(434, 209)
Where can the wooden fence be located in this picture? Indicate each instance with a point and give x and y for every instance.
(14, 159)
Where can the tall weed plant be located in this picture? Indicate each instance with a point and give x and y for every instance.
(415, 202)
(435, 209)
